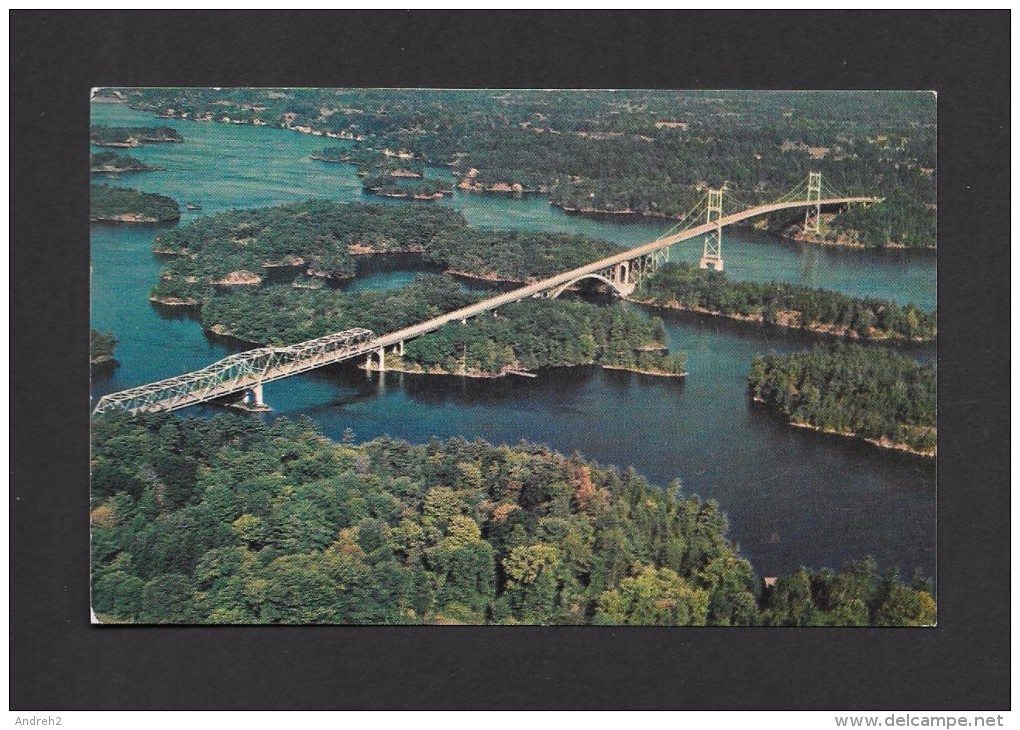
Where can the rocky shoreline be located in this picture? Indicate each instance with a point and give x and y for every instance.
(401, 367)
(380, 192)
(131, 218)
(113, 170)
(881, 443)
(784, 319)
(174, 301)
(467, 185)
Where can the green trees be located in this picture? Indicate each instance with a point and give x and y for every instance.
(653, 597)
(113, 162)
(685, 287)
(525, 335)
(454, 532)
(514, 255)
(321, 238)
(853, 596)
(132, 206)
(104, 136)
(546, 333)
(870, 392)
(641, 151)
(316, 237)
(101, 346)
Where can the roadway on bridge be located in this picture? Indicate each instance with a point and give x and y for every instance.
(566, 277)
(173, 393)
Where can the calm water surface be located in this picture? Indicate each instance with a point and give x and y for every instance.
(794, 498)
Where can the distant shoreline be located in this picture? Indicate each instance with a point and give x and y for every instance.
(785, 322)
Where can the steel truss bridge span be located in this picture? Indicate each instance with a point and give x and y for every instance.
(248, 371)
(238, 373)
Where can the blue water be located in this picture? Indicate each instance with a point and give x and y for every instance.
(793, 497)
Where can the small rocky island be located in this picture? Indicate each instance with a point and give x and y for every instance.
(103, 136)
(113, 163)
(101, 346)
(126, 205)
(385, 186)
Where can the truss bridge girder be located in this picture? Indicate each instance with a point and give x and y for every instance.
(240, 372)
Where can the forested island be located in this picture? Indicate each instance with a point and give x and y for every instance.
(871, 393)
(372, 162)
(233, 521)
(112, 162)
(635, 152)
(686, 287)
(386, 186)
(101, 346)
(514, 256)
(126, 205)
(316, 238)
(225, 265)
(103, 136)
(323, 238)
(519, 337)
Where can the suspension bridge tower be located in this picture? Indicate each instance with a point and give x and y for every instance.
(813, 215)
(712, 254)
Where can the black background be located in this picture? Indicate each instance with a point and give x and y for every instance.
(59, 661)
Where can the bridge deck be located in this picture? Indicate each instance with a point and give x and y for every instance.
(242, 371)
(566, 277)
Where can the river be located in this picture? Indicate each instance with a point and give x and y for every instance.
(793, 497)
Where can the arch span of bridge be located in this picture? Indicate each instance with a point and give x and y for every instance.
(247, 371)
(620, 288)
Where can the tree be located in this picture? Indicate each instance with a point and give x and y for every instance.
(532, 581)
(166, 599)
(297, 592)
(653, 597)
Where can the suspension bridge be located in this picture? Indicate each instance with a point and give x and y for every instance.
(247, 372)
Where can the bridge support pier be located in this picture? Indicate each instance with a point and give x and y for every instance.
(253, 400)
(400, 348)
(382, 359)
(712, 262)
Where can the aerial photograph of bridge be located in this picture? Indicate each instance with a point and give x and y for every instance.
(510, 356)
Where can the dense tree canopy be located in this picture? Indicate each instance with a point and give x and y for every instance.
(101, 346)
(525, 335)
(871, 392)
(518, 256)
(229, 520)
(647, 152)
(322, 238)
(129, 205)
(114, 162)
(318, 237)
(684, 286)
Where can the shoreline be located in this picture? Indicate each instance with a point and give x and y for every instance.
(760, 319)
(800, 237)
(882, 443)
(481, 375)
(504, 188)
(488, 278)
(131, 218)
(171, 301)
(379, 192)
(399, 366)
(108, 170)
